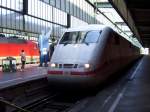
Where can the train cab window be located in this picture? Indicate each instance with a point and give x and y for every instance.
(69, 38)
(80, 37)
(92, 36)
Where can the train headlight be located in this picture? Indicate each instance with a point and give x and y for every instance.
(86, 66)
(53, 65)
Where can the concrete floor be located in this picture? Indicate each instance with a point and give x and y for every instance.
(136, 94)
(31, 72)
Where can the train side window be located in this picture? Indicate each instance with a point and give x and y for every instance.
(117, 40)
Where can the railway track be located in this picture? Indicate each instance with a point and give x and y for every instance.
(36, 96)
(53, 103)
(56, 102)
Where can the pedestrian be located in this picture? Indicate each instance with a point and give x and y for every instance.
(51, 50)
(43, 43)
(23, 59)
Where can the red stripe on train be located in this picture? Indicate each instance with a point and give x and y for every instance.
(71, 73)
(55, 72)
(93, 72)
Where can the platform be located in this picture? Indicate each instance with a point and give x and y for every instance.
(136, 94)
(8, 79)
(130, 95)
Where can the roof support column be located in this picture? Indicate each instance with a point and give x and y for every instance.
(25, 6)
(24, 11)
(68, 20)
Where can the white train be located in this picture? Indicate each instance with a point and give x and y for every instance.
(86, 56)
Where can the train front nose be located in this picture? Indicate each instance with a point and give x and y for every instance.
(69, 66)
(70, 77)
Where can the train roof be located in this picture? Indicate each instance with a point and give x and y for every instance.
(86, 28)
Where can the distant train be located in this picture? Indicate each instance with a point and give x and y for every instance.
(12, 46)
(86, 56)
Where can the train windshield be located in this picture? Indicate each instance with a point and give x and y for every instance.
(80, 37)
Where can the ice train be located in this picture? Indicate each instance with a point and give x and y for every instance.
(86, 56)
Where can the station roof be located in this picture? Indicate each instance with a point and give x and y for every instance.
(137, 15)
(110, 17)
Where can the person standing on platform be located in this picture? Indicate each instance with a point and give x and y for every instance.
(52, 47)
(23, 59)
(43, 43)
